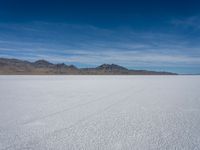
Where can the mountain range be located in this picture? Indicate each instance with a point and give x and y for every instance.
(43, 67)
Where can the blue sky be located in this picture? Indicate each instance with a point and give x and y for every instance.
(153, 35)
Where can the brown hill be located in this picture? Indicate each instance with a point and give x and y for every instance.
(43, 67)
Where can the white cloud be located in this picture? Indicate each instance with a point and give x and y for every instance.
(127, 58)
(92, 45)
(192, 21)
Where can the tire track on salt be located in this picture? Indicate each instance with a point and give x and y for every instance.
(126, 98)
(76, 106)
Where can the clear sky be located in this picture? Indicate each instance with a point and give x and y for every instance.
(159, 35)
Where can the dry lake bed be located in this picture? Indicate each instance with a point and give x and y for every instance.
(99, 112)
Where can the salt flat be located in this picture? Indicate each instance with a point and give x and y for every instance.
(99, 112)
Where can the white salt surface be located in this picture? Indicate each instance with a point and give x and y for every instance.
(99, 112)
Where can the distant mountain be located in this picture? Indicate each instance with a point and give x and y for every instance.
(111, 67)
(43, 67)
(42, 63)
(15, 66)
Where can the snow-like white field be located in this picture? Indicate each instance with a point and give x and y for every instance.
(99, 112)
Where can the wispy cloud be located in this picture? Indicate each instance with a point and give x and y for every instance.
(86, 45)
(127, 58)
(188, 22)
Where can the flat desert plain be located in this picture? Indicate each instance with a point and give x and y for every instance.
(99, 112)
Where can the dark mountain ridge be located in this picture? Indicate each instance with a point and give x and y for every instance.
(43, 67)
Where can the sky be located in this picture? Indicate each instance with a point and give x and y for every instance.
(144, 34)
